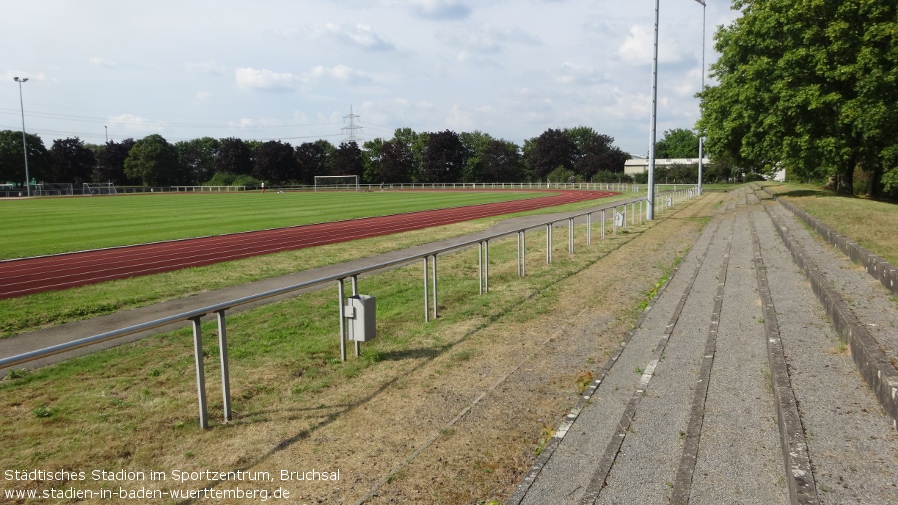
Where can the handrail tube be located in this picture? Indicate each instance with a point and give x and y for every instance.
(223, 306)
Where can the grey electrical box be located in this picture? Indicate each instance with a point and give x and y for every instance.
(362, 315)
(619, 219)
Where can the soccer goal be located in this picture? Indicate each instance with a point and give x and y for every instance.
(336, 183)
(99, 188)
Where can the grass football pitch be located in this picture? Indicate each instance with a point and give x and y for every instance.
(56, 225)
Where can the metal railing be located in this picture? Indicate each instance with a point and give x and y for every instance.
(194, 317)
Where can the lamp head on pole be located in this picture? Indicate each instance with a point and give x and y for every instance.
(17, 79)
(701, 2)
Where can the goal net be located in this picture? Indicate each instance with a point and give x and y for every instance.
(52, 189)
(336, 183)
(99, 188)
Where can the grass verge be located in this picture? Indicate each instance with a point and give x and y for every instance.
(850, 216)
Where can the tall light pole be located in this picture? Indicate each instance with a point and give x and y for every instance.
(24, 142)
(701, 140)
(650, 208)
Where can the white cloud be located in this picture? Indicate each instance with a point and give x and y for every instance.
(264, 79)
(577, 74)
(485, 38)
(638, 47)
(100, 62)
(439, 9)
(204, 67)
(340, 73)
(360, 35)
(134, 123)
(459, 120)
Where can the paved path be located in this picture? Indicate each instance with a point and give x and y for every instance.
(734, 388)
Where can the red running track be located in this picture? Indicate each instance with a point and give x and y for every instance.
(46, 273)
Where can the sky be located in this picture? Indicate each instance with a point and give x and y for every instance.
(292, 70)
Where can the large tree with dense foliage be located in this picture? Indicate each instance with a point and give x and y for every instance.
(12, 159)
(111, 159)
(313, 159)
(397, 162)
(347, 160)
(809, 86)
(275, 162)
(501, 162)
(417, 142)
(234, 157)
(677, 143)
(596, 153)
(71, 161)
(371, 160)
(153, 161)
(444, 157)
(551, 150)
(198, 158)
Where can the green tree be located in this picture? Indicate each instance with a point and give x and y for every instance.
(12, 159)
(111, 159)
(444, 157)
(475, 143)
(371, 153)
(596, 153)
(546, 153)
(275, 162)
(397, 162)
(153, 161)
(416, 142)
(71, 161)
(198, 158)
(808, 86)
(347, 160)
(313, 159)
(234, 157)
(677, 143)
(502, 162)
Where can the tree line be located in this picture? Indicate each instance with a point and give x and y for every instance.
(809, 87)
(426, 157)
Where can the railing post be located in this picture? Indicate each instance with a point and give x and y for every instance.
(614, 221)
(604, 218)
(480, 265)
(434, 266)
(589, 229)
(225, 372)
(200, 371)
(486, 265)
(426, 288)
(549, 244)
(355, 292)
(342, 301)
(570, 236)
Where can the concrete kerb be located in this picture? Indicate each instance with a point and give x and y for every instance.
(876, 267)
(874, 365)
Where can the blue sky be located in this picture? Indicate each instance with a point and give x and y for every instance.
(290, 70)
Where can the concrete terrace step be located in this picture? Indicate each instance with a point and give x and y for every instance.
(734, 388)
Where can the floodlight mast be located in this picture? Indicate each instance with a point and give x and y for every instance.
(650, 208)
(24, 142)
(701, 139)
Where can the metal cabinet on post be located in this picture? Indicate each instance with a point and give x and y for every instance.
(362, 315)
